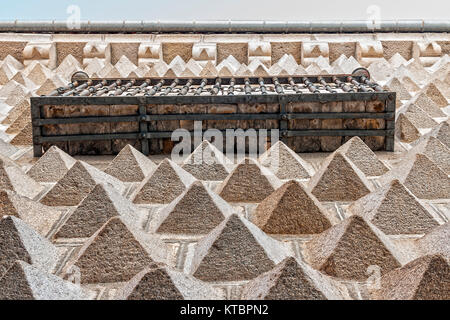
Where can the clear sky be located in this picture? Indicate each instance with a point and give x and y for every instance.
(225, 9)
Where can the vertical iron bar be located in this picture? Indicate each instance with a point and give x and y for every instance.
(37, 129)
(143, 128)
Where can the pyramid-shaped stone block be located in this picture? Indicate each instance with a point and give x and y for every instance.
(130, 165)
(198, 210)
(436, 95)
(25, 282)
(235, 250)
(159, 282)
(41, 218)
(290, 280)
(405, 130)
(363, 157)
(248, 182)
(421, 176)
(347, 249)
(166, 183)
(291, 210)
(436, 151)
(285, 163)
(436, 241)
(426, 278)
(338, 179)
(116, 253)
(77, 183)
(394, 210)
(52, 166)
(207, 163)
(18, 241)
(102, 204)
(12, 178)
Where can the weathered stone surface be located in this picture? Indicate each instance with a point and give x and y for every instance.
(103, 203)
(338, 179)
(159, 282)
(116, 253)
(235, 250)
(207, 163)
(198, 210)
(363, 157)
(77, 183)
(12, 178)
(421, 176)
(405, 129)
(18, 241)
(52, 166)
(285, 163)
(436, 241)
(290, 280)
(291, 210)
(346, 250)
(166, 183)
(25, 282)
(436, 151)
(394, 210)
(130, 165)
(41, 218)
(426, 278)
(248, 182)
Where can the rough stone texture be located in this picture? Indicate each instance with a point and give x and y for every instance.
(18, 241)
(418, 117)
(341, 48)
(248, 182)
(198, 210)
(12, 48)
(279, 49)
(166, 183)
(172, 49)
(129, 50)
(41, 218)
(25, 282)
(285, 163)
(436, 151)
(130, 165)
(103, 203)
(207, 163)
(338, 179)
(404, 48)
(291, 210)
(426, 278)
(363, 157)
(77, 183)
(75, 49)
(436, 95)
(52, 166)
(436, 241)
(12, 178)
(116, 253)
(24, 137)
(238, 50)
(405, 129)
(159, 282)
(421, 176)
(235, 250)
(346, 250)
(290, 280)
(394, 210)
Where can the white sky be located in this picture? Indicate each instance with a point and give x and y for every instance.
(225, 9)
